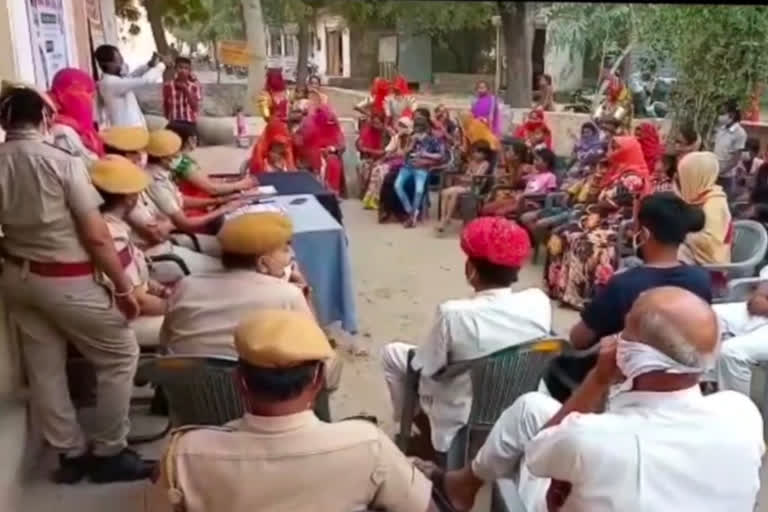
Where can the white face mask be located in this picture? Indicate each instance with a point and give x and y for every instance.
(124, 70)
(173, 164)
(634, 359)
(287, 272)
(723, 119)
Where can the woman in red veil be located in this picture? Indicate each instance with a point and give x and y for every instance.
(321, 142)
(276, 131)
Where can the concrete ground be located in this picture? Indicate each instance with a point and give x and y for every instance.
(400, 276)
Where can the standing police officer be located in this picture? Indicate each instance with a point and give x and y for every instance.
(55, 245)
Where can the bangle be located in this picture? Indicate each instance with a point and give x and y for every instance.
(120, 295)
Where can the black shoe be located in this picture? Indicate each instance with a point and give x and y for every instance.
(71, 469)
(126, 466)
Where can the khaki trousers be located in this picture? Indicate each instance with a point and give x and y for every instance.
(48, 313)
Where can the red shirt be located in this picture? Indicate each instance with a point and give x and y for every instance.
(181, 101)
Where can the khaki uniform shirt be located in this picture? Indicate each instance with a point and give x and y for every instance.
(291, 463)
(145, 213)
(137, 270)
(43, 189)
(205, 309)
(163, 191)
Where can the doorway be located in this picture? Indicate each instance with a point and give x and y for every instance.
(537, 55)
(334, 55)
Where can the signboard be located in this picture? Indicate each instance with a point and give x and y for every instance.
(49, 39)
(234, 53)
(95, 22)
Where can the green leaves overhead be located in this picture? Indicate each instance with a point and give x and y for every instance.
(717, 51)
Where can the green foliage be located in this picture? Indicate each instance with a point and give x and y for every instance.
(716, 51)
(194, 10)
(219, 20)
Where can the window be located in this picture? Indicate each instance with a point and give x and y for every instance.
(275, 43)
(290, 45)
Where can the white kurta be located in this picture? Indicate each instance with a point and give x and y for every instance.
(648, 452)
(118, 98)
(464, 330)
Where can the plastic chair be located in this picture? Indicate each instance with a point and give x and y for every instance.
(201, 389)
(758, 392)
(505, 498)
(750, 243)
(497, 380)
(738, 290)
(170, 258)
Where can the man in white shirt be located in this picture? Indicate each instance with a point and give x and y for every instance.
(744, 326)
(730, 140)
(466, 329)
(660, 445)
(117, 86)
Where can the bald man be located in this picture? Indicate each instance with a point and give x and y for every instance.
(659, 445)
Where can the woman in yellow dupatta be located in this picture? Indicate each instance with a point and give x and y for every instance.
(696, 181)
(475, 131)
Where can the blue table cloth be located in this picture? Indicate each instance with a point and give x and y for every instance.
(321, 250)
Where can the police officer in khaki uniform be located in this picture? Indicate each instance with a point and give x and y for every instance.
(120, 181)
(55, 242)
(164, 151)
(279, 457)
(260, 273)
(150, 227)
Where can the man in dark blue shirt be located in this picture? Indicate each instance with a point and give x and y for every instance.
(664, 220)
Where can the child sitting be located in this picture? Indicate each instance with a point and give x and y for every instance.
(480, 156)
(277, 160)
(537, 181)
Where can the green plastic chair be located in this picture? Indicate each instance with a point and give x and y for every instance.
(497, 381)
(201, 389)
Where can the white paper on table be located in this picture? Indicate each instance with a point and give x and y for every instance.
(266, 190)
(255, 208)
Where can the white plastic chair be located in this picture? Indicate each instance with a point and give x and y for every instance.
(750, 243)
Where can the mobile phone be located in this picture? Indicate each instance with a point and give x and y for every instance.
(299, 200)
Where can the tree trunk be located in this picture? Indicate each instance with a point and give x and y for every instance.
(257, 50)
(155, 17)
(215, 46)
(302, 60)
(517, 26)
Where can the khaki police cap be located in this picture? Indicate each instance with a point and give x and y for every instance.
(8, 86)
(118, 175)
(126, 138)
(281, 339)
(163, 143)
(255, 233)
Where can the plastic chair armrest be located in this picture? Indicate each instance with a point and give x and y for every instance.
(192, 236)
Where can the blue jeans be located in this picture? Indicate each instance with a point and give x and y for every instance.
(419, 184)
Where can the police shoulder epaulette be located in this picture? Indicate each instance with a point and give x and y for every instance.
(175, 493)
(51, 145)
(188, 428)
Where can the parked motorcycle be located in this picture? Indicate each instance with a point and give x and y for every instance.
(581, 103)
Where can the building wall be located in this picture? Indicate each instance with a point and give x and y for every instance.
(331, 22)
(364, 52)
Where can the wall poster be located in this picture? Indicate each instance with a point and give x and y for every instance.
(49, 38)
